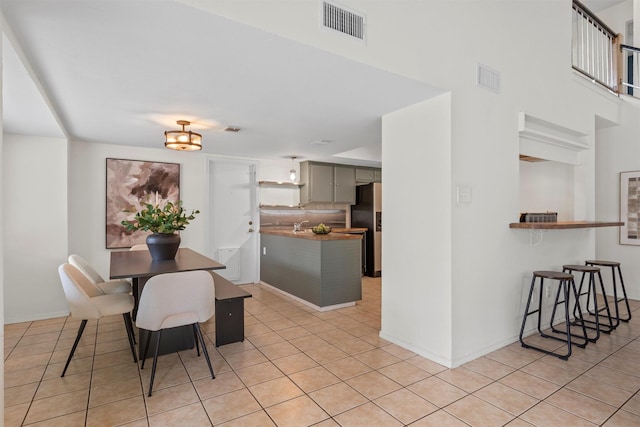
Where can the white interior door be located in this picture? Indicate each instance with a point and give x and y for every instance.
(233, 228)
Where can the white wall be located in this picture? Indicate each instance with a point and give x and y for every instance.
(416, 249)
(547, 187)
(274, 170)
(87, 194)
(618, 150)
(35, 227)
(87, 183)
(490, 263)
(2, 316)
(37, 174)
(616, 16)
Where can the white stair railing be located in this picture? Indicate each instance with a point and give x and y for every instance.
(594, 49)
(631, 78)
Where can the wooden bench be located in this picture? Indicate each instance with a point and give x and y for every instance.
(229, 310)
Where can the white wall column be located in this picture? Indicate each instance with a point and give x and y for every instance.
(1, 235)
(35, 227)
(416, 261)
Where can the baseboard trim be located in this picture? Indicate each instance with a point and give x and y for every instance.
(307, 303)
(33, 318)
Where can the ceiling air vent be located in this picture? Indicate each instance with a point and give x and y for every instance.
(488, 78)
(342, 20)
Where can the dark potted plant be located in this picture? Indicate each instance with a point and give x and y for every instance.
(164, 222)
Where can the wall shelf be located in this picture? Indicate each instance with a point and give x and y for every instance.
(564, 225)
(281, 183)
(263, 206)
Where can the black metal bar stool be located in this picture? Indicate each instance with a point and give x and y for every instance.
(615, 267)
(592, 300)
(566, 286)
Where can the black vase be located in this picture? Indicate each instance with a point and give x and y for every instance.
(163, 247)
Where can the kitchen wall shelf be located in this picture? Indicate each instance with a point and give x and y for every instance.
(261, 206)
(281, 183)
(564, 225)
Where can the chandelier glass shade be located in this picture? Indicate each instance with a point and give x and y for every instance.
(292, 171)
(183, 140)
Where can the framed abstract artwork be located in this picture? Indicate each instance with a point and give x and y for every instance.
(131, 184)
(630, 208)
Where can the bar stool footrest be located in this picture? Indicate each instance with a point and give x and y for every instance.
(549, 352)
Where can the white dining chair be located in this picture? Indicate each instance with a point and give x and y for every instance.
(107, 287)
(140, 247)
(175, 299)
(87, 302)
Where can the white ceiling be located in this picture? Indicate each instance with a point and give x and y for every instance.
(122, 72)
(597, 5)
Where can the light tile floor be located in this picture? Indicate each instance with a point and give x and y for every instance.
(299, 367)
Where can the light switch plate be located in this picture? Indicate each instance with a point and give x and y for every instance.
(463, 194)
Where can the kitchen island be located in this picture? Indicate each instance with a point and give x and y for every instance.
(320, 270)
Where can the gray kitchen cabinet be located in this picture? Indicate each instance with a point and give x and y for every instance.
(327, 183)
(345, 184)
(364, 175)
(322, 271)
(319, 179)
(368, 175)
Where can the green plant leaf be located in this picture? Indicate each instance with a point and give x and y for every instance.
(167, 220)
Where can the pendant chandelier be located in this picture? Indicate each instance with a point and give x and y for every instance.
(292, 172)
(183, 140)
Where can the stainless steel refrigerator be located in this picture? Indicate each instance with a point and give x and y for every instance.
(367, 213)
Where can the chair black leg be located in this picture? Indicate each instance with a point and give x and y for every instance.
(592, 286)
(134, 283)
(615, 297)
(75, 344)
(580, 319)
(577, 309)
(155, 362)
(553, 312)
(527, 312)
(196, 327)
(568, 288)
(129, 327)
(563, 292)
(146, 349)
(540, 301)
(195, 338)
(610, 327)
(624, 297)
(565, 285)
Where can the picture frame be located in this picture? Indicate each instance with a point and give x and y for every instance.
(131, 184)
(630, 208)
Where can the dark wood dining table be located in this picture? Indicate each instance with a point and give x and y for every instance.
(139, 266)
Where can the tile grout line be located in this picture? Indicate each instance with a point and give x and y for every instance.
(578, 372)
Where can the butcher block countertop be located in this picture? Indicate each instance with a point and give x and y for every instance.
(349, 230)
(336, 234)
(565, 225)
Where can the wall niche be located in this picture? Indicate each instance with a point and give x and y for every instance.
(550, 173)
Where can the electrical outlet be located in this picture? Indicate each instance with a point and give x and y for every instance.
(264, 250)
